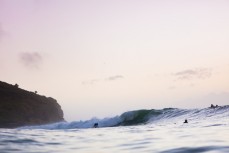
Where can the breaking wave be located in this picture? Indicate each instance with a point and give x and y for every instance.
(139, 117)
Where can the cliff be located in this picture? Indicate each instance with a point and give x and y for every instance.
(19, 107)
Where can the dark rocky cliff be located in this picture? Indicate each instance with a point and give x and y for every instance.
(19, 107)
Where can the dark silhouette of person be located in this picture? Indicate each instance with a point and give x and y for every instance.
(185, 121)
(212, 106)
(96, 125)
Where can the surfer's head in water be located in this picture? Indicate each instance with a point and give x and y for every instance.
(185, 121)
(96, 125)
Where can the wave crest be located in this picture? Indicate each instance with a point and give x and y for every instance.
(143, 116)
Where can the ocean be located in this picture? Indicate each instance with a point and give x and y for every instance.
(145, 131)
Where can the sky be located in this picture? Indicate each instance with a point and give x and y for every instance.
(100, 58)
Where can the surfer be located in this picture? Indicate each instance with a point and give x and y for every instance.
(212, 106)
(96, 125)
(185, 121)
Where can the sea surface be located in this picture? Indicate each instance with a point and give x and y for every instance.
(142, 131)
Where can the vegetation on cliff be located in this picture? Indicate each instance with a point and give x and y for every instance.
(19, 107)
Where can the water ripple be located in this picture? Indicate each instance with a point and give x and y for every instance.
(197, 149)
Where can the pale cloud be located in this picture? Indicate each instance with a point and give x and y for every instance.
(197, 73)
(115, 77)
(172, 87)
(91, 82)
(31, 59)
(111, 78)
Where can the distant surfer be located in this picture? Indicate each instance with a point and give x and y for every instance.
(95, 125)
(212, 106)
(185, 121)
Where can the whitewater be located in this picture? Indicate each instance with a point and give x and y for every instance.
(159, 131)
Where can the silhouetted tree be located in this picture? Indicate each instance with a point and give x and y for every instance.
(35, 92)
(16, 85)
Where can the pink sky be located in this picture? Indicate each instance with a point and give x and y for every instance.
(101, 58)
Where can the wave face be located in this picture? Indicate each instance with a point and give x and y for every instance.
(217, 116)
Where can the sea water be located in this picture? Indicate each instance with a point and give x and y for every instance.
(156, 131)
